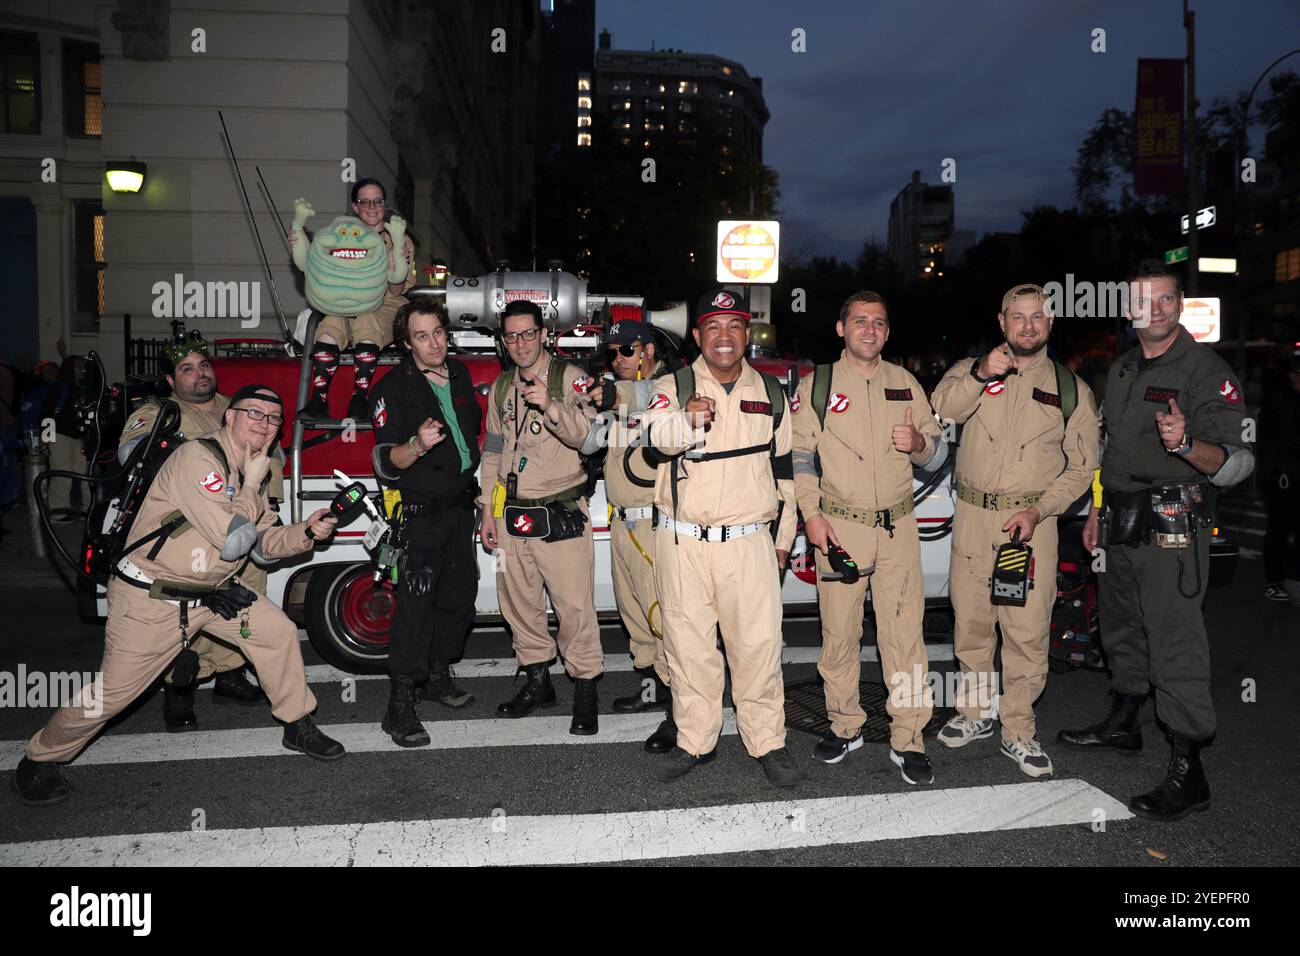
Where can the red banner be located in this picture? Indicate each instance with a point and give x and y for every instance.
(1158, 128)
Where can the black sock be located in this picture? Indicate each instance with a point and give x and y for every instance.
(365, 357)
(324, 363)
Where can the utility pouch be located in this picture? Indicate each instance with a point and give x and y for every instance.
(1126, 517)
(534, 522)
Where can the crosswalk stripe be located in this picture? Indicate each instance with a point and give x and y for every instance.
(356, 738)
(621, 663)
(503, 840)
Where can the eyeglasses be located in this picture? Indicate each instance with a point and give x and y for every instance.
(372, 203)
(255, 415)
(627, 351)
(510, 338)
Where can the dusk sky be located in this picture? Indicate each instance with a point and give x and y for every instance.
(1008, 88)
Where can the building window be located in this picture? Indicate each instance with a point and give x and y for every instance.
(584, 122)
(622, 86)
(726, 70)
(623, 124)
(654, 106)
(88, 250)
(584, 139)
(20, 101)
(618, 105)
(645, 143)
(584, 102)
(626, 140)
(688, 86)
(653, 126)
(686, 106)
(83, 105)
(1286, 267)
(584, 82)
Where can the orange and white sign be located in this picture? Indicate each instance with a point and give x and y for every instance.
(1202, 318)
(748, 250)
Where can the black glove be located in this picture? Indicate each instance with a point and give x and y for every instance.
(565, 523)
(230, 600)
(606, 397)
(185, 669)
(416, 573)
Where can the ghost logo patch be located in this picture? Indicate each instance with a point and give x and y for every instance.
(658, 401)
(995, 388)
(523, 524)
(838, 403)
(212, 482)
(796, 403)
(380, 416)
(723, 300)
(898, 394)
(1231, 394)
(582, 385)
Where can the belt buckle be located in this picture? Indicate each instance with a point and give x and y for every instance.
(704, 532)
(990, 502)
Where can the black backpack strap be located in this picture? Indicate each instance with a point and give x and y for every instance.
(1067, 388)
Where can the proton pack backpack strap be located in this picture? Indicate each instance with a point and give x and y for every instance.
(684, 378)
(555, 379)
(1067, 387)
(499, 389)
(821, 391)
(776, 398)
(175, 522)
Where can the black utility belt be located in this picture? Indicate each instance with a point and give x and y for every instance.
(553, 521)
(1170, 513)
(464, 499)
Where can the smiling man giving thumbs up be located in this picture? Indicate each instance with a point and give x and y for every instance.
(867, 422)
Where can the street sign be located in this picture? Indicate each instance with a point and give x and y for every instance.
(1201, 317)
(1176, 255)
(1205, 218)
(748, 250)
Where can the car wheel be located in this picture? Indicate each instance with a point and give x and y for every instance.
(349, 617)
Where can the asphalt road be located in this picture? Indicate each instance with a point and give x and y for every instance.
(489, 792)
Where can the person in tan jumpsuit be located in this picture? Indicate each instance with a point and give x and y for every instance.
(716, 563)
(368, 333)
(1019, 465)
(227, 517)
(630, 495)
(878, 424)
(532, 443)
(194, 390)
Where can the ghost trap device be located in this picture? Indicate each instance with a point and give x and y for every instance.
(1013, 573)
(845, 568)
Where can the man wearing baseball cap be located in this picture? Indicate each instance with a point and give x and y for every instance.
(719, 433)
(204, 515)
(632, 359)
(1028, 449)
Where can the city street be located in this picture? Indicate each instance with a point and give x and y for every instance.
(491, 791)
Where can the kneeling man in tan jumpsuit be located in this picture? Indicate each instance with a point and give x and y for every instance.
(208, 504)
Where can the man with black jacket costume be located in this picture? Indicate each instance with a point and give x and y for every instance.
(426, 417)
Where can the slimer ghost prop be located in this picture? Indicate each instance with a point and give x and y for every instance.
(347, 265)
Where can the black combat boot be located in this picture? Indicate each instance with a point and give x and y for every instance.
(324, 363)
(40, 783)
(585, 722)
(536, 692)
(234, 687)
(178, 708)
(305, 737)
(1117, 730)
(441, 687)
(664, 739)
(400, 720)
(648, 696)
(1184, 788)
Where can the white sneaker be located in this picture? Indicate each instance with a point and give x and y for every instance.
(961, 730)
(1030, 756)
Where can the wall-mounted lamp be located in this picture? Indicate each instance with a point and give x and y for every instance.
(125, 177)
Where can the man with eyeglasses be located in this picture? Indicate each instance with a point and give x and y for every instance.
(426, 418)
(1028, 449)
(188, 370)
(536, 517)
(368, 333)
(1176, 433)
(632, 359)
(205, 513)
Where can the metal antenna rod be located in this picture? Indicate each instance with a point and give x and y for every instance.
(275, 295)
(271, 202)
